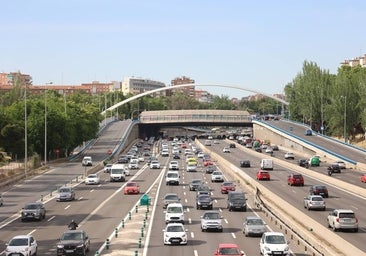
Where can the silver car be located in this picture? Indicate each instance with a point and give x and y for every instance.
(170, 198)
(65, 194)
(312, 202)
(254, 225)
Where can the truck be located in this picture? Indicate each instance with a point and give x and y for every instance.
(118, 172)
(267, 164)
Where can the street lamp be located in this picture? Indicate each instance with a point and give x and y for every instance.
(345, 119)
(25, 133)
(45, 122)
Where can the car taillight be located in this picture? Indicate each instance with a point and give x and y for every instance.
(337, 219)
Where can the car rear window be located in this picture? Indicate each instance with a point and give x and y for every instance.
(298, 176)
(346, 215)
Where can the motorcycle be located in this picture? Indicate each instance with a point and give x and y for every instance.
(330, 172)
(72, 226)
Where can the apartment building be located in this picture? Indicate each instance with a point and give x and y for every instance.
(355, 61)
(134, 85)
(189, 91)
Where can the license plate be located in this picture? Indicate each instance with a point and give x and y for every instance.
(175, 240)
(16, 254)
(69, 251)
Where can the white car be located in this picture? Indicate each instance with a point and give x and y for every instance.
(92, 179)
(226, 150)
(21, 245)
(200, 155)
(273, 242)
(175, 233)
(342, 219)
(216, 142)
(217, 176)
(107, 168)
(134, 164)
(173, 165)
(154, 164)
(289, 155)
(269, 150)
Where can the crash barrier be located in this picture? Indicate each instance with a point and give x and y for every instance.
(306, 230)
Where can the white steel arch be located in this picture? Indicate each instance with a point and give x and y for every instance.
(188, 85)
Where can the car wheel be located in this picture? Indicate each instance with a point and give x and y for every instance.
(334, 228)
(356, 230)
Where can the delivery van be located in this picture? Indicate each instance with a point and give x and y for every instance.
(118, 172)
(267, 164)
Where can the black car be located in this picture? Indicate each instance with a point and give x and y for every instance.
(232, 145)
(194, 184)
(304, 163)
(334, 168)
(210, 169)
(204, 202)
(176, 156)
(319, 190)
(73, 242)
(245, 163)
(258, 149)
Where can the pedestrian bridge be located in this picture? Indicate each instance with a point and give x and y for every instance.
(196, 116)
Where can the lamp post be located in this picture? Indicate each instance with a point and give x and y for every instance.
(345, 119)
(45, 122)
(25, 133)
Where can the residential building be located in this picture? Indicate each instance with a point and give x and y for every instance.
(134, 85)
(189, 91)
(355, 61)
(203, 96)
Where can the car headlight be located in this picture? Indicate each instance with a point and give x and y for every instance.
(60, 246)
(267, 248)
(80, 246)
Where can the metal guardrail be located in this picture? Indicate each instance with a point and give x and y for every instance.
(305, 142)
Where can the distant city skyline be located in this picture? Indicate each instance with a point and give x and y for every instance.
(252, 44)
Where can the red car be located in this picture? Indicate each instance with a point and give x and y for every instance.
(227, 186)
(263, 175)
(363, 178)
(228, 249)
(295, 180)
(131, 188)
(207, 162)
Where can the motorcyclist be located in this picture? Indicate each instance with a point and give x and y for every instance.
(73, 225)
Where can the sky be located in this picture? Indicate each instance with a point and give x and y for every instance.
(259, 45)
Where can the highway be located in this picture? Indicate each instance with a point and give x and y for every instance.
(100, 208)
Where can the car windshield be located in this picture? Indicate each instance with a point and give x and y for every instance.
(297, 176)
(175, 229)
(72, 236)
(227, 184)
(204, 197)
(19, 242)
(92, 176)
(229, 251)
(254, 222)
(64, 190)
(31, 206)
(211, 215)
(317, 198)
(196, 182)
(131, 184)
(171, 197)
(275, 239)
(174, 209)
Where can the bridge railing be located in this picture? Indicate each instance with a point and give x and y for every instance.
(194, 118)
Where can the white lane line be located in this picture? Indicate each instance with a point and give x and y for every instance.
(192, 234)
(226, 221)
(195, 253)
(91, 190)
(67, 207)
(233, 235)
(354, 207)
(81, 198)
(51, 218)
(186, 200)
(215, 201)
(190, 221)
(187, 210)
(34, 230)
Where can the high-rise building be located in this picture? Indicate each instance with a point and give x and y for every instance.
(189, 91)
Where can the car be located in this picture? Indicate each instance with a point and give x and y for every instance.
(236, 200)
(174, 213)
(253, 226)
(275, 148)
(273, 243)
(203, 187)
(172, 178)
(107, 168)
(200, 154)
(312, 202)
(65, 194)
(342, 219)
(210, 169)
(304, 163)
(308, 132)
(289, 155)
(92, 179)
(131, 188)
(341, 164)
(232, 145)
(295, 179)
(73, 242)
(33, 211)
(363, 178)
(263, 175)
(217, 176)
(154, 164)
(175, 233)
(204, 202)
(134, 163)
(227, 186)
(87, 161)
(194, 184)
(207, 162)
(258, 149)
(216, 142)
(170, 198)
(123, 159)
(24, 245)
(319, 190)
(176, 156)
(269, 150)
(334, 167)
(173, 165)
(211, 220)
(226, 150)
(192, 167)
(229, 249)
(244, 163)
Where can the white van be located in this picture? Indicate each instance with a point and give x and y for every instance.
(118, 172)
(267, 164)
(172, 178)
(87, 161)
(174, 213)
